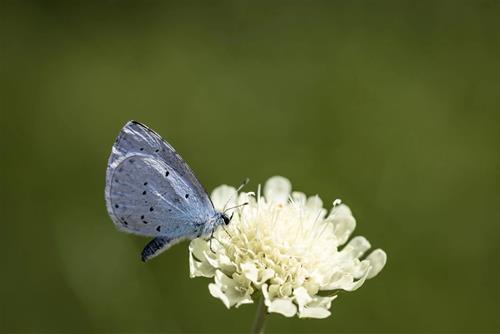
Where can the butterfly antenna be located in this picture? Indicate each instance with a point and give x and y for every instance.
(236, 206)
(244, 183)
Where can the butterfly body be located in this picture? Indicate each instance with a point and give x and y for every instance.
(151, 191)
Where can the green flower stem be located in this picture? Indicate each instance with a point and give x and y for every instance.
(260, 318)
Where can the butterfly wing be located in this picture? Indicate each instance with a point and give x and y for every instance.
(150, 190)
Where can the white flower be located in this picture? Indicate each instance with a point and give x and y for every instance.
(287, 246)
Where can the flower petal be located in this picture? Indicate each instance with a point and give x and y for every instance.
(265, 275)
(314, 312)
(299, 198)
(345, 280)
(246, 198)
(314, 203)
(197, 247)
(356, 247)
(344, 222)
(357, 284)
(216, 291)
(301, 297)
(377, 259)
(221, 195)
(198, 266)
(278, 305)
(250, 271)
(312, 307)
(283, 306)
(200, 269)
(318, 308)
(277, 189)
(231, 291)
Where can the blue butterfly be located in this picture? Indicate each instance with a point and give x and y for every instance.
(151, 191)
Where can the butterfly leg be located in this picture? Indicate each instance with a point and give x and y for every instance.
(229, 235)
(211, 238)
(155, 247)
(224, 228)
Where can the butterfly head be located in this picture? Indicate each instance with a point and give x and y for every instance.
(226, 219)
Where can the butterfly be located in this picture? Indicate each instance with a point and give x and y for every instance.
(151, 191)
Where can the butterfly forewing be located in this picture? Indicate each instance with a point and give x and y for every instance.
(150, 190)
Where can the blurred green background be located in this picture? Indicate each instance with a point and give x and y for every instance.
(392, 106)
